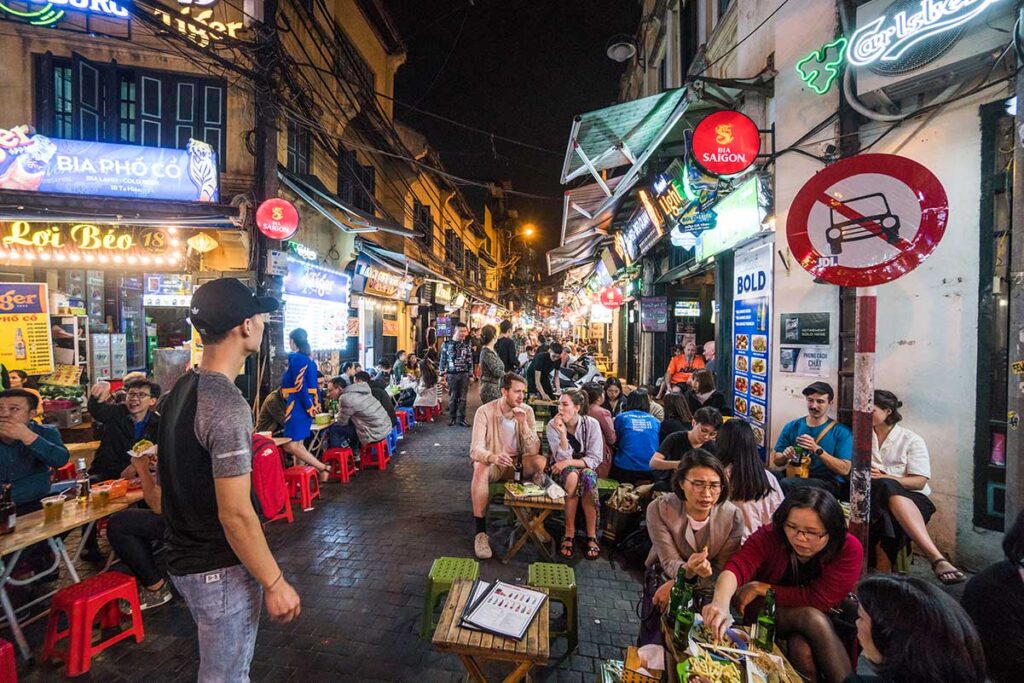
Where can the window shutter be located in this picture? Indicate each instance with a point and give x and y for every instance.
(86, 88)
(44, 94)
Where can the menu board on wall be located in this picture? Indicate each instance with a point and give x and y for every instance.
(167, 289)
(316, 299)
(25, 341)
(654, 314)
(752, 297)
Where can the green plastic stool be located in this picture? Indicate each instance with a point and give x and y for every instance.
(495, 500)
(606, 487)
(560, 580)
(443, 573)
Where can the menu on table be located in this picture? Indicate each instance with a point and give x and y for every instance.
(501, 608)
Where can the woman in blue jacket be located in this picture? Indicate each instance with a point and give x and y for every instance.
(302, 400)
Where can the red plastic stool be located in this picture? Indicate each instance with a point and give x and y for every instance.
(8, 670)
(403, 419)
(374, 454)
(65, 473)
(298, 479)
(438, 410)
(285, 514)
(342, 462)
(423, 414)
(80, 604)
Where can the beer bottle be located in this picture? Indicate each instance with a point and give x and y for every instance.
(676, 595)
(764, 629)
(8, 512)
(518, 467)
(684, 620)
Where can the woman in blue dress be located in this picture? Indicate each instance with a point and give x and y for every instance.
(302, 400)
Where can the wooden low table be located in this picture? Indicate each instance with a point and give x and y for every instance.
(530, 513)
(31, 529)
(317, 435)
(674, 657)
(476, 648)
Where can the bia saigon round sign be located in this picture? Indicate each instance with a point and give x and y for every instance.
(726, 143)
(277, 219)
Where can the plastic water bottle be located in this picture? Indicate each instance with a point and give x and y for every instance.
(81, 482)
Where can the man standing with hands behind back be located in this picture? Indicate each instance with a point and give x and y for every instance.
(217, 556)
(456, 369)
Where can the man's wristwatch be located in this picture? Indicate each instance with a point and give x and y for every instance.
(819, 451)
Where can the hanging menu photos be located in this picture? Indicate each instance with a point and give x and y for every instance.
(751, 334)
(316, 299)
(25, 341)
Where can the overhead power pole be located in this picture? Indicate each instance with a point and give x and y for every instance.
(1015, 346)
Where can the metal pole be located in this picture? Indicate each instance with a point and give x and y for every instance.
(1015, 345)
(863, 404)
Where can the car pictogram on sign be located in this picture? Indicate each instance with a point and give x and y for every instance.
(870, 221)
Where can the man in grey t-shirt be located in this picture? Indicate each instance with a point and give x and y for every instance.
(218, 557)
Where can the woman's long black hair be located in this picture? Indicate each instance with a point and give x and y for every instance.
(922, 634)
(613, 382)
(301, 340)
(737, 448)
(828, 509)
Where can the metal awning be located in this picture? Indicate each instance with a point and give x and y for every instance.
(312, 191)
(587, 210)
(685, 269)
(573, 254)
(619, 135)
(398, 262)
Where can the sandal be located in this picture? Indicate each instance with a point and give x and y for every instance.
(567, 549)
(593, 549)
(325, 474)
(949, 577)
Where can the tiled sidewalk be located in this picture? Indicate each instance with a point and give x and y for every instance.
(359, 562)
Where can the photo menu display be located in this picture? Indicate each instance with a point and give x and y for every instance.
(751, 339)
(316, 299)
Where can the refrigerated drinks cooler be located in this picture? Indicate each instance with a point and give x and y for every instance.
(125, 300)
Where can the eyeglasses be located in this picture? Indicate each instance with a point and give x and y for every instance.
(139, 394)
(810, 535)
(713, 486)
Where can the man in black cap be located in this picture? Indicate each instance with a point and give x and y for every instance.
(828, 443)
(217, 555)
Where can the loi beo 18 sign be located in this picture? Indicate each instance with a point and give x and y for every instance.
(25, 341)
(726, 143)
(30, 162)
(278, 219)
(88, 242)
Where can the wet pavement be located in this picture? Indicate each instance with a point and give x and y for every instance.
(359, 561)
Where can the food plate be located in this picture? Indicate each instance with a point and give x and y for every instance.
(759, 367)
(734, 638)
(742, 342)
(741, 385)
(758, 389)
(741, 363)
(757, 412)
(740, 404)
(760, 343)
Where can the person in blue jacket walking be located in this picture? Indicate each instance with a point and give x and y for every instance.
(302, 400)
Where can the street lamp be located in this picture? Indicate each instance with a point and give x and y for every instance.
(529, 230)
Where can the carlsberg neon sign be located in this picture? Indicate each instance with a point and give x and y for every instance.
(887, 38)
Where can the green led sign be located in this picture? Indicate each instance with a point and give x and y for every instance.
(821, 68)
(44, 16)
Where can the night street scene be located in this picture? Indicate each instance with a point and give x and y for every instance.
(439, 341)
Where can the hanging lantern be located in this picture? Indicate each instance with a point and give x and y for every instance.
(611, 297)
(202, 243)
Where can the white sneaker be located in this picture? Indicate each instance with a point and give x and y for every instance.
(482, 546)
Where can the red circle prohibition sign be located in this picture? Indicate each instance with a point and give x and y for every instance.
(867, 220)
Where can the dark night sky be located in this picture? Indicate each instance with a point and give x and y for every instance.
(520, 68)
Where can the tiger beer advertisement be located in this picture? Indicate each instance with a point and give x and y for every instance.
(31, 162)
(25, 342)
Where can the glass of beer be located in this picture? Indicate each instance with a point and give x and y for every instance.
(53, 509)
(100, 496)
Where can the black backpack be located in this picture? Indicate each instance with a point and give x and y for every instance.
(635, 547)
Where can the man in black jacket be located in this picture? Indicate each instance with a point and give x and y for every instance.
(380, 392)
(505, 347)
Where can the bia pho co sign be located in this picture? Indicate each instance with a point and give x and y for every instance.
(911, 33)
(726, 143)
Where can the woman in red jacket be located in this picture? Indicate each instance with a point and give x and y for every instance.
(810, 561)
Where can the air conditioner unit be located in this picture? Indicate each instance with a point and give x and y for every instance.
(941, 49)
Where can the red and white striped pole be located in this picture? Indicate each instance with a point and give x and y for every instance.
(863, 404)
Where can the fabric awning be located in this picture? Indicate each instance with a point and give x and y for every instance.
(349, 219)
(620, 135)
(573, 254)
(587, 210)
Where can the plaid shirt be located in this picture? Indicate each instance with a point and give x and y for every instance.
(456, 356)
(520, 340)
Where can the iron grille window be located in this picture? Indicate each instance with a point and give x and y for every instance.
(356, 182)
(84, 100)
(449, 246)
(298, 148)
(423, 222)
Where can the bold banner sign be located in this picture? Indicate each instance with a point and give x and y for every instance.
(373, 279)
(726, 143)
(30, 162)
(25, 342)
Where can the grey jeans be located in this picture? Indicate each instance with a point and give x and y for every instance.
(458, 385)
(225, 604)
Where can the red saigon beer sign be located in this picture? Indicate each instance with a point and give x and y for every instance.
(726, 143)
(277, 219)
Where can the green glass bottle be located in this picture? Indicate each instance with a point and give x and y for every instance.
(675, 596)
(684, 620)
(764, 630)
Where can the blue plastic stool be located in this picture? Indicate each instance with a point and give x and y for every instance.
(392, 441)
(399, 431)
(411, 412)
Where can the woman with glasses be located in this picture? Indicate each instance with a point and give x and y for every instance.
(752, 488)
(912, 632)
(995, 600)
(811, 563)
(577, 451)
(695, 528)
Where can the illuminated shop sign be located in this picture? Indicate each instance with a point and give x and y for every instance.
(641, 232)
(726, 143)
(686, 197)
(88, 243)
(373, 279)
(891, 37)
(316, 299)
(30, 162)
